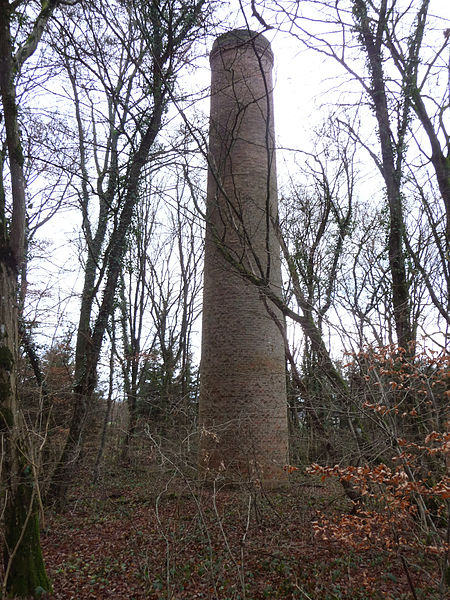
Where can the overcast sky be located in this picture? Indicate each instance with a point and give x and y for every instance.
(306, 85)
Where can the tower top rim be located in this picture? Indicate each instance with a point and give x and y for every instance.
(242, 38)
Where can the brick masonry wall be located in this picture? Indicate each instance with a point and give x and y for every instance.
(243, 411)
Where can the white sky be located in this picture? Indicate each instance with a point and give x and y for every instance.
(303, 84)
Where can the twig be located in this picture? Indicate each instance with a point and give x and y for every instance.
(408, 576)
(12, 554)
(445, 562)
(244, 537)
(240, 568)
(197, 502)
(302, 591)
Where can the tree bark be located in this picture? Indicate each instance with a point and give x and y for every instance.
(371, 40)
(23, 562)
(109, 404)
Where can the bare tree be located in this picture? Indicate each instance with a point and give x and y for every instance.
(122, 62)
(160, 286)
(24, 567)
(394, 52)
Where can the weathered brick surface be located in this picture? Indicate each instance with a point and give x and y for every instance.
(242, 385)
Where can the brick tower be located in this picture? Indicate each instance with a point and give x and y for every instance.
(243, 413)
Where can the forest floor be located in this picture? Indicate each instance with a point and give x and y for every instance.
(146, 534)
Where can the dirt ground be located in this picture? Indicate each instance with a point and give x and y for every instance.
(157, 535)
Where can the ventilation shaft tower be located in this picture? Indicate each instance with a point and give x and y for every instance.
(243, 408)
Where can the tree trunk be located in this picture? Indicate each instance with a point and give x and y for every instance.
(130, 366)
(131, 428)
(109, 404)
(23, 563)
(24, 569)
(390, 168)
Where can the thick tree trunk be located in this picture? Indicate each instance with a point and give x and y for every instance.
(23, 563)
(24, 569)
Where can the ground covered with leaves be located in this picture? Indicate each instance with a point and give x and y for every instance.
(157, 535)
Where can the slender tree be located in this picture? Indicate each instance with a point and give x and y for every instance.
(395, 52)
(159, 299)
